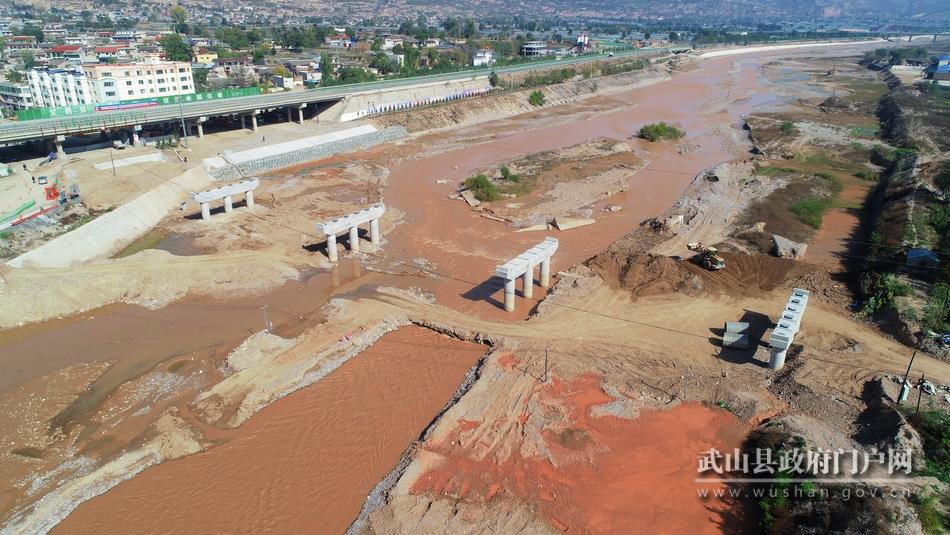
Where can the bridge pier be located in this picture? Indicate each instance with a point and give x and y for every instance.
(523, 267)
(60, 153)
(136, 142)
(243, 122)
(254, 122)
(228, 204)
(300, 112)
(351, 224)
(201, 129)
(249, 199)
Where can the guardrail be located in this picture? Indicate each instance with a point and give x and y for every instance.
(79, 124)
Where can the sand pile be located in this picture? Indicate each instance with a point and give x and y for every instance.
(645, 275)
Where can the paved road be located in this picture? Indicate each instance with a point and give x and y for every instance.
(77, 124)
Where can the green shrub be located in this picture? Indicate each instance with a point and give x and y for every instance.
(934, 428)
(882, 289)
(937, 309)
(811, 210)
(942, 180)
(506, 174)
(830, 180)
(536, 98)
(484, 190)
(788, 128)
(866, 174)
(932, 520)
(660, 131)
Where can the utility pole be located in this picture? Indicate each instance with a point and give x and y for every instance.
(111, 159)
(905, 388)
(920, 392)
(181, 115)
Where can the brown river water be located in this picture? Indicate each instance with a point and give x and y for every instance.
(303, 464)
(306, 462)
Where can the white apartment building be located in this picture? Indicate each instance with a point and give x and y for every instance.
(15, 96)
(111, 83)
(105, 83)
(58, 87)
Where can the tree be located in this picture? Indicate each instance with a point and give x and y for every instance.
(179, 18)
(200, 76)
(536, 98)
(493, 79)
(175, 48)
(377, 44)
(326, 69)
(381, 63)
(35, 31)
(15, 76)
(29, 61)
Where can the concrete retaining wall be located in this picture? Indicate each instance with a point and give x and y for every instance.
(306, 154)
(111, 232)
(371, 103)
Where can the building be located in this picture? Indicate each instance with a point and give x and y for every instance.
(484, 57)
(70, 53)
(58, 87)
(109, 83)
(18, 44)
(15, 96)
(205, 57)
(127, 81)
(534, 49)
(338, 41)
(923, 259)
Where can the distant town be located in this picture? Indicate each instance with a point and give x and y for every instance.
(74, 58)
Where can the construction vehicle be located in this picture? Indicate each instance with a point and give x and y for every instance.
(708, 257)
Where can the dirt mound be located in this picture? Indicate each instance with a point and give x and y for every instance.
(645, 275)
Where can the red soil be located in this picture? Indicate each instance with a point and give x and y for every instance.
(603, 474)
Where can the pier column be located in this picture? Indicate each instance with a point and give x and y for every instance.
(527, 284)
(201, 130)
(205, 211)
(546, 273)
(228, 204)
(290, 115)
(60, 153)
(254, 123)
(243, 122)
(249, 198)
(777, 359)
(509, 295)
(374, 231)
(135, 135)
(331, 248)
(300, 113)
(354, 239)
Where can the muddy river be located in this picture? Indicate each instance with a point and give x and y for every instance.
(303, 464)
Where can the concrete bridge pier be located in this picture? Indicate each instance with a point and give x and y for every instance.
(60, 153)
(136, 142)
(522, 268)
(374, 231)
(228, 204)
(249, 199)
(545, 273)
(527, 284)
(201, 129)
(205, 211)
(331, 248)
(510, 295)
(354, 239)
(254, 122)
(300, 112)
(243, 122)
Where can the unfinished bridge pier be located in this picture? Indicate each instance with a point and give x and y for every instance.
(523, 266)
(227, 193)
(351, 223)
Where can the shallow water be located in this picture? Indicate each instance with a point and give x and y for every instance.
(305, 463)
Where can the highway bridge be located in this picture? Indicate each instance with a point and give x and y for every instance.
(56, 129)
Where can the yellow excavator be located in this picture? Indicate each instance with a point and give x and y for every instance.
(708, 257)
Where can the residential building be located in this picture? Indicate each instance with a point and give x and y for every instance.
(17, 44)
(483, 57)
(338, 41)
(105, 83)
(534, 48)
(127, 81)
(70, 53)
(59, 87)
(15, 96)
(205, 57)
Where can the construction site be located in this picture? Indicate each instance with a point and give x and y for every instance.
(481, 316)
